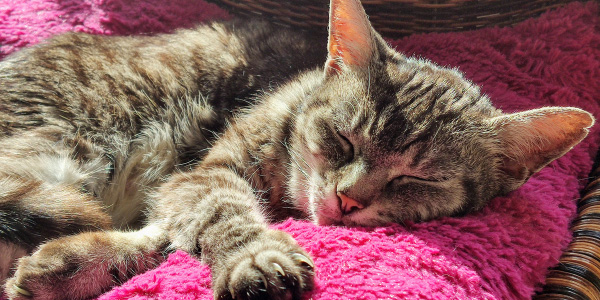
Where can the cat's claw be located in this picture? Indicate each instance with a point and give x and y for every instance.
(21, 291)
(301, 258)
(279, 269)
(232, 292)
(264, 281)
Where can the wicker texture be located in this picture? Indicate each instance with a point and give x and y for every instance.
(577, 276)
(395, 18)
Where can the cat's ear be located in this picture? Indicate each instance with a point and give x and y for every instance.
(532, 139)
(351, 37)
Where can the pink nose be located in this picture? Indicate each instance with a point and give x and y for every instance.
(348, 204)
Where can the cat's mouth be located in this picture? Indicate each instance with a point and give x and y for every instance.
(329, 212)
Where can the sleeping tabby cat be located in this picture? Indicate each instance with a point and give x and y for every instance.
(200, 137)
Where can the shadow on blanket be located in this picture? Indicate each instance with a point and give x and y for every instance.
(502, 252)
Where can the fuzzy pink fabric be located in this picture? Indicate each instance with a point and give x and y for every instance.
(502, 252)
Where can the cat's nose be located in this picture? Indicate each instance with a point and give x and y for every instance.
(347, 204)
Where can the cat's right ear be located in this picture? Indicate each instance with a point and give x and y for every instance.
(532, 139)
(351, 37)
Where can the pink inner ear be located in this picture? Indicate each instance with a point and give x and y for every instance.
(558, 131)
(344, 40)
(350, 41)
(537, 137)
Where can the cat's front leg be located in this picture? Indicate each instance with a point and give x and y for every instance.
(214, 212)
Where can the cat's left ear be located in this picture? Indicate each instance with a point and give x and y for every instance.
(352, 40)
(532, 139)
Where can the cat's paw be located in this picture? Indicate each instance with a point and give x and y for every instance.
(273, 267)
(79, 267)
(47, 274)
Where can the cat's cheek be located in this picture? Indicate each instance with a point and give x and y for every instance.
(313, 209)
(314, 195)
(298, 187)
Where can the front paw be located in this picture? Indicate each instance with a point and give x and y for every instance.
(66, 268)
(44, 275)
(272, 267)
(80, 266)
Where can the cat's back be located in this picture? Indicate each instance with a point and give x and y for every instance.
(130, 110)
(92, 81)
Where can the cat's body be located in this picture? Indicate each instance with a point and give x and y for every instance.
(139, 109)
(101, 133)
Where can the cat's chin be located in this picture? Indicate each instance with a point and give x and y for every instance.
(327, 221)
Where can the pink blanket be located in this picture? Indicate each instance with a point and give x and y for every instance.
(502, 252)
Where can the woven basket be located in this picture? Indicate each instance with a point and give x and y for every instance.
(577, 275)
(394, 18)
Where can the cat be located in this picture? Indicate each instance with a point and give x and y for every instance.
(115, 151)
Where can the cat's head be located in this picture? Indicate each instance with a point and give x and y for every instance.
(386, 138)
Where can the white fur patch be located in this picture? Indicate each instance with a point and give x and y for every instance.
(151, 160)
(58, 169)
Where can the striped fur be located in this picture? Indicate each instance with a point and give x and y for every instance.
(115, 151)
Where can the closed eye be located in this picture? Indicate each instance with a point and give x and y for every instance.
(402, 179)
(347, 146)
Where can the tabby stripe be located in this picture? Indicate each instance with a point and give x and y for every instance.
(32, 98)
(28, 228)
(417, 97)
(75, 60)
(471, 192)
(239, 231)
(409, 79)
(168, 61)
(422, 136)
(434, 96)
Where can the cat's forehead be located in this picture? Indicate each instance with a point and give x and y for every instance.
(407, 101)
(407, 83)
